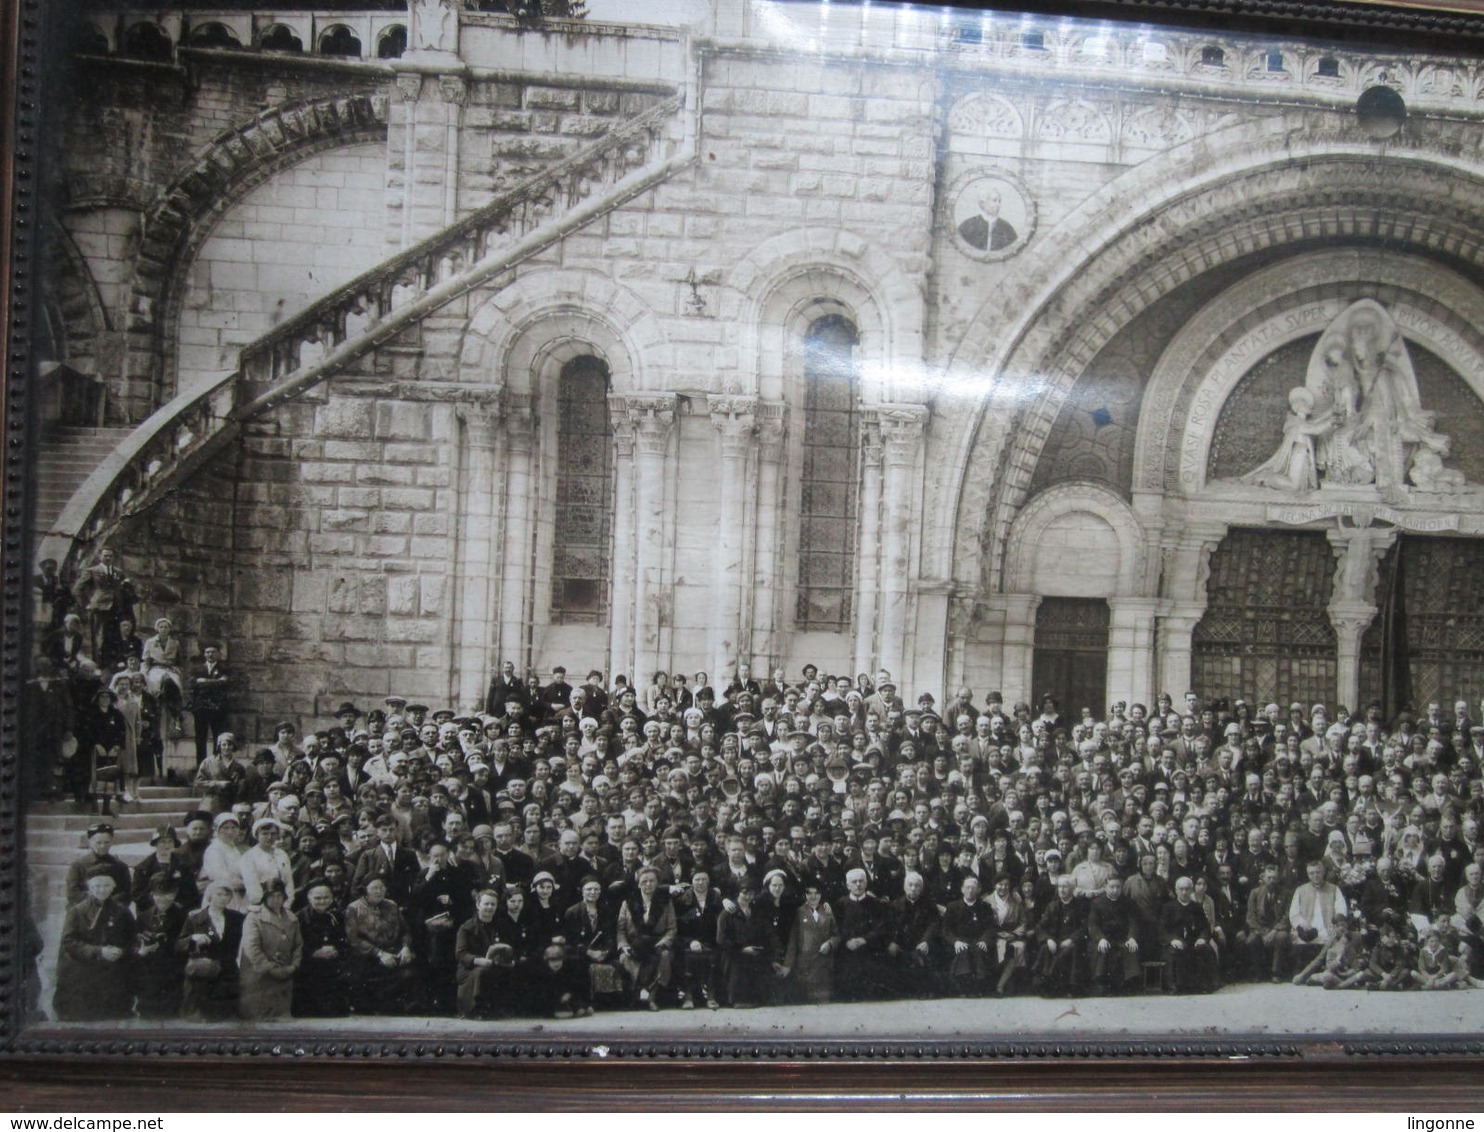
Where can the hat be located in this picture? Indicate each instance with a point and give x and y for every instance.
(223, 818)
(396, 702)
(347, 707)
(443, 715)
(100, 827)
(482, 831)
(266, 823)
(539, 877)
(416, 707)
(164, 833)
(283, 725)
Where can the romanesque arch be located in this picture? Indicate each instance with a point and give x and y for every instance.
(184, 212)
(1207, 220)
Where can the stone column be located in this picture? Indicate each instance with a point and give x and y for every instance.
(1019, 648)
(901, 438)
(478, 529)
(515, 561)
(1352, 605)
(621, 580)
(767, 643)
(425, 130)
(867, 592)
(1185, 567)
(1131, 649)
(735, 421)
(652, 417)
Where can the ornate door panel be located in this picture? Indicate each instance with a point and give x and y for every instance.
(1266, 636)
(1437, 619)
(1071, 658)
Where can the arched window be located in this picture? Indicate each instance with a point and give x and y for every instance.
(584, 494)
(280, 38)
(215, 35)
(393, 42)
(148, 41)
(827, 512)
(340, 40)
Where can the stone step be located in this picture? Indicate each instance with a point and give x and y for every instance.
(60, 857)
(149, 816)
(57, 815)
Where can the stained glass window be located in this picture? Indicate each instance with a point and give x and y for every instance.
(827, 512)
(584, 494)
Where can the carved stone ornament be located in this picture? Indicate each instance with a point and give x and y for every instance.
(435, 25)
(1357, 420)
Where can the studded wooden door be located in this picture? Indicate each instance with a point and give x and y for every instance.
(1071, 657)
(1266, 635)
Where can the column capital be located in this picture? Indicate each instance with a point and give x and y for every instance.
(735, 419)
(481, 420)
(409, 85)
(772, 427)
(901, 428)
(872, 448)
(453, 89)
(651, 416)
(1358, 553)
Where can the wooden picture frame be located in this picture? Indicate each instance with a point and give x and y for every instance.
(992, 1058)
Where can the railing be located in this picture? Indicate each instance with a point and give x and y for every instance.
(355, 318)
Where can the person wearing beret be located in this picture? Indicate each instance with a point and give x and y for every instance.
(99, 855)
(98, 935)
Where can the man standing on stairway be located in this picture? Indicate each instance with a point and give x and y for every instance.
(108, 597)
(208, 691)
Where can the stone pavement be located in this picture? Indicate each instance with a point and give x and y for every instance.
(1264, 1010)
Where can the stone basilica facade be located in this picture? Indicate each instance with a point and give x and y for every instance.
(1028, 354)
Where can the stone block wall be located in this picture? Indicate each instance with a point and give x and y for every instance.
(287, 242)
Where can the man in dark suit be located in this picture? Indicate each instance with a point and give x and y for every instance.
(1190, 958)
(1264, 939)
(209, 684)
(1060, 936)
(1112, 934)
(107, 596)
(864, 926)
(506, 686)
(914, 945)
(387, 861)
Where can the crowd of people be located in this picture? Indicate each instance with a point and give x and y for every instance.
(103, 699)
(794, 840)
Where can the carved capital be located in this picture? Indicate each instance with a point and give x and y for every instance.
(651, 416)
(735, 420)
(481, 421)
(901, 431)
(872, 449)
(1358, 553)
(772, 428)
(453, 90)
(409, 85)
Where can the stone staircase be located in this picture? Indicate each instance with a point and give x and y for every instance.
(368, 312)
(56, 835)
(69, 456)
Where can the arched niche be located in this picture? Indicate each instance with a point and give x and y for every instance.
(1076, 540)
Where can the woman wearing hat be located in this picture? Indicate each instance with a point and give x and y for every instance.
(164, 862)
(222, 861)
(272, 949)
(102, 734)
(158, 970)
(97, 946)
(265, 861)
(211, 939)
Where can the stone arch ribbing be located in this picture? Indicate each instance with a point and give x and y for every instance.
(1410, 201)
(81, 318)
(184, 212)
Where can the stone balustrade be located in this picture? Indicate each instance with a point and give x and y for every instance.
(367, 311)
(157, 35)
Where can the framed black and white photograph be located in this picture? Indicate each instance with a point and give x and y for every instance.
(746, 529)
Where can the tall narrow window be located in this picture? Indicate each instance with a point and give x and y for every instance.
(828, 509)
(584, 500)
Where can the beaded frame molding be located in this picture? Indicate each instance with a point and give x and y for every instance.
(30, 83)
